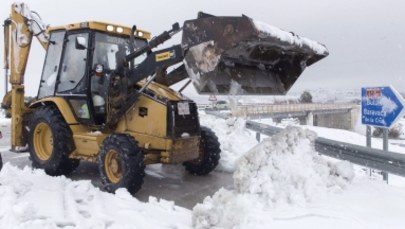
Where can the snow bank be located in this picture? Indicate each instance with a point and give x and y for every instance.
(285, 168)
(31, 199)
(233, 136)
(282, 170)
(229, 209)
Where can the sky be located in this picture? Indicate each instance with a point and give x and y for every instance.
(365, 38)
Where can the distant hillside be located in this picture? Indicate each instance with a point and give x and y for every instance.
(319, 95)
(322, 95)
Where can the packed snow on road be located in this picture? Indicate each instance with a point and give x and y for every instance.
(282, 182)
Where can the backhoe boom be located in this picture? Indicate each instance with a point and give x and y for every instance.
(19, 29)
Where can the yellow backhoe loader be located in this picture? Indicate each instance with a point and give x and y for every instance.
(105, 95)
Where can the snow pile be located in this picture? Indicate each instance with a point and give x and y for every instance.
(228, 209)
(31, 199)
(233, 136)
(282, 170)
(286, 168)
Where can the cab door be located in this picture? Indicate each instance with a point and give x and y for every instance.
(74, 69)
(72, 81)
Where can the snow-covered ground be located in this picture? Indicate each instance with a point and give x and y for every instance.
(283, 183)
(31, 199)
(280, 183)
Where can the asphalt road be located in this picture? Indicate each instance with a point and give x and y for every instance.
(169, 182)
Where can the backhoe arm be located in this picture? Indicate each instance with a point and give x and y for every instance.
(223, 55)
(19, 29)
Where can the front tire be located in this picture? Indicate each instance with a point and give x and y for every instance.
(51, 142)
(121, 163)
(209, 154)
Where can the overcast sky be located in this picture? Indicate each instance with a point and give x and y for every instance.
(365, 38)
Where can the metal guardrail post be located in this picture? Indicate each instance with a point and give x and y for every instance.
(258, 136)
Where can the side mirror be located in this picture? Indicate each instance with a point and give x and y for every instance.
(81, 43)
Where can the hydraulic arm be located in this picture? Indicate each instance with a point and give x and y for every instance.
(224, 55)
(19, 29)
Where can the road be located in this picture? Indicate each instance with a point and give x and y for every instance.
(169, 182)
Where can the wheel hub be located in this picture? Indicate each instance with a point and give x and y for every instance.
(112, 165)
(43, 141)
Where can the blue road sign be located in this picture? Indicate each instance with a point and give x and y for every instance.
(381, 106)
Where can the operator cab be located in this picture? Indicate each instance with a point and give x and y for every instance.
(81, 62)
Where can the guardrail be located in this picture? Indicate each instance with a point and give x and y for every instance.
(386, 161)
(373, 158)
(246, 110)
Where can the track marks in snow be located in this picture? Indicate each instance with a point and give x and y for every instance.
(31, 199)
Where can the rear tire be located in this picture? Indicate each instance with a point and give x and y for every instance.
(121, 163)
(50, 142)
(209, 154)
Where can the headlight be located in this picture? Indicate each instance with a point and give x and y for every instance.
(110, 28)
(120, 30)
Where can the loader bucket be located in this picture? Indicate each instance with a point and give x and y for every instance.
(238, 55)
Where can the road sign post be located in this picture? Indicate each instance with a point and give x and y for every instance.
(385, 148)
(381, 107)
(368, 139)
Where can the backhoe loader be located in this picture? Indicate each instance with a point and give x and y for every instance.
(105, 95)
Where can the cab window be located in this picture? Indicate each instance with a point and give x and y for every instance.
(110, 51)
(51, 66)
(73, 66)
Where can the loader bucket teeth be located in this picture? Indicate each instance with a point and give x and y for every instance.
(238, 55)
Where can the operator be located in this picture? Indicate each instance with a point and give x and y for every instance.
(99, 91)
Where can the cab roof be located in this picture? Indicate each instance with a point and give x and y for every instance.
(103, 27)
